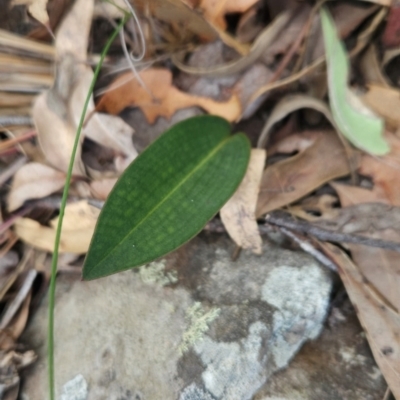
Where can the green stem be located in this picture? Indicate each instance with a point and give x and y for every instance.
(52, 287)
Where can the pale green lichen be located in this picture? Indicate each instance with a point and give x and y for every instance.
(154, 273)
(199, 321)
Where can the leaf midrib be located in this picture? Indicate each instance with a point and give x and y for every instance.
(211, 154)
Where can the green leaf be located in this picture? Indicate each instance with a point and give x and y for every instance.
(354, 120)
(166, 196)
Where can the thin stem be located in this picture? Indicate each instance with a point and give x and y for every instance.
(52, 287)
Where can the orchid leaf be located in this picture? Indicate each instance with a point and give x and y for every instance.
(353, 119)
(167, 195)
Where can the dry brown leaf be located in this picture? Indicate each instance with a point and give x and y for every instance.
(51, 114)
(385, 171)
(351, 195)
(321, 159)
(381, 324)
(379, 266)
(238, 214)
(56, 135)
(37, 8)
(72, 36)
(316, 207)
(107, 130)
(159, 98)
(34, 181)
(111, 131)
(384, 101)
(78, 227)
(178, 14)
(215, 11)
(371, 67)
(261, 45)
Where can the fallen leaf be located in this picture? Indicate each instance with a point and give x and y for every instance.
(391, 34)
(51, 114)
(287, 181)
(107, 130)
(72, 36)
(37, 8)
(316, 207)
(238, 214)
(260, 46)
(56, 135)
(379, 266)
(111, 131)
(380, 322)
(384, 101)
(355, 121)
(385, 171)
(371, 68)
(215, 11)
(178, 14)
(159, 97)
(351, 195)
(34, 181)
(78, 227)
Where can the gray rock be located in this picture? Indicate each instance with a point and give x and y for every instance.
(194, 325)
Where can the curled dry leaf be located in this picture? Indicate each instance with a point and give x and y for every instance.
(159, 98)
(238, 214)
(288, 105)
(380, 322)
(287, 181)
(34, 181)
(215, 11)
(260, 46)
(78, 227)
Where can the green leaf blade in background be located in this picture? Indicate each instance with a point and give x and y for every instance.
(166, 196)
(353, 119)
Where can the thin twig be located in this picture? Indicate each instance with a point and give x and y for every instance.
(280, 219)
(306, 246)
(19, 299)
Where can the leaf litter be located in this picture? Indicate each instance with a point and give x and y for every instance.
(268, 75)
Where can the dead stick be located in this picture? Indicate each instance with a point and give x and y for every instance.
(281, 220)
